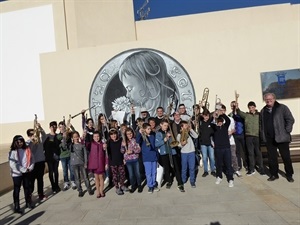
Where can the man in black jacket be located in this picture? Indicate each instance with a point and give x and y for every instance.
(276, 127)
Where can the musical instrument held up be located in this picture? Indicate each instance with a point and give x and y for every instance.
(236, 95)
(204, 101)
(218, 105)
(36, 131)
(72, 117)
(144, 136)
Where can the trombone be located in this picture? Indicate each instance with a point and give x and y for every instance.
(218, 106)
(205, 98)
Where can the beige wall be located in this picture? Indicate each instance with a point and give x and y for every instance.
(224, 51)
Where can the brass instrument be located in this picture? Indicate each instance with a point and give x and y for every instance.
(218, 105)
(174, 143)
(184, 135)
(204, 100)
(196, 119)
(67, 124)
(72, 117)
(236, 95)
(144, 136)
(36, 131)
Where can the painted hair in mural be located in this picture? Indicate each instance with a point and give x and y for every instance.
(140, 78)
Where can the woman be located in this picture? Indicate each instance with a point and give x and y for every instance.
(145, 78)
(21, 164)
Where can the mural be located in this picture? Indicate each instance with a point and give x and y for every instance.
(284, 84)
(140, 78)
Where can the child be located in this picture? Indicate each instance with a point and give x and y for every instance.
(21, 164)
(150, 155)
(79, 163)
(168, 157)
(131, 151)
(97, 162)
(116, 160)
(188, 155)
(222, 147)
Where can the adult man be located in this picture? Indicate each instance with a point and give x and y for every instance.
(183, 113)
(159, 115)
(276, 125)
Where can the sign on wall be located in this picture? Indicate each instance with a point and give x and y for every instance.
(140, 78)
(284, 83)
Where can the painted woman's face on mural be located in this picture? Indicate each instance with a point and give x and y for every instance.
(134, 89)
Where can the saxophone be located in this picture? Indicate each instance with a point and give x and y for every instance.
(184, 135)
(36, 131)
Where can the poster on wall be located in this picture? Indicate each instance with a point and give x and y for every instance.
(283, 83)
(140, 79)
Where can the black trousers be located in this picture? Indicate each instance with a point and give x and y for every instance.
(25, 181)
(170, 172)
(241, 152)
(284, 149)
(38, 175)
(254, 153)
(53, 173)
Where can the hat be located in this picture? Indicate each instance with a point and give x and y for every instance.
(143, 109)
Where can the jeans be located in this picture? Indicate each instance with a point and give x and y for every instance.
(134, 173)
(18, 181)
(79, 174)
(188, 161)
(151, 170)
(38, 174)
(53, 173)
(208, 151)
(65, 163)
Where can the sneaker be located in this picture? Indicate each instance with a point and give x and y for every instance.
(150, 190)
(168, 186)
(230, 184)
(42, 197)
(80, 194)
(250, 173)
(90, 191)
(181, 188)
(219, 180)
(237, 173)
(262, 173)
(140, 189)
(106, 180)
(73, 185)
(119, 191)
(193, 185)
(124, 188)
(205, 174)
(156, 189)
(290, 179)
(213, 173)
(66, 186)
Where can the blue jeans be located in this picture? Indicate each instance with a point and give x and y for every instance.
(151, 170)
(208, 151)
(134, 173)
(188, 162)
(65, 163)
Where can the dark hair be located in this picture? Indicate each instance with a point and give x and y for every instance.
(223, 107)
(139, 119)
(251, 104)
(61, 123)
(14, 142)
(197, 106)
(160, 107)
(205, 112)
(182, 122)
(220, 119)
(88, 120)
(29, 132)
(129, 129)
(53, 123)
(75, 132)
(113, 131)
(151, 119)
(145, 125)
(181, 105)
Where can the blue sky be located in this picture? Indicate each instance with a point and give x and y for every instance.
(168, 8)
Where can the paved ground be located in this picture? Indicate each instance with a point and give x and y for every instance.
(252, 201)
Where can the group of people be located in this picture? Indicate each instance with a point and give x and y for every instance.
(176, 142)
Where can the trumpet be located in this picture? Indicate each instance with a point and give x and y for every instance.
(36, 131)
(205, 98)
(144, 136)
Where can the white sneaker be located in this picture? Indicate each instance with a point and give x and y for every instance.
(238, 173)
(230, 183)
(66, 186)
(73, 185)
(219, 180)
(106, 180)
(201, 163)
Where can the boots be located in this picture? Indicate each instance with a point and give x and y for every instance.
(17, 208)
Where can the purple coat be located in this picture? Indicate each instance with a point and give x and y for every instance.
(97, 158)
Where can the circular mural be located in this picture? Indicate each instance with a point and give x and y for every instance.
(140, 78)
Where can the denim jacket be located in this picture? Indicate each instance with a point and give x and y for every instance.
(161, 145)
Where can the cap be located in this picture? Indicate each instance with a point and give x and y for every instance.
(143, 109)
